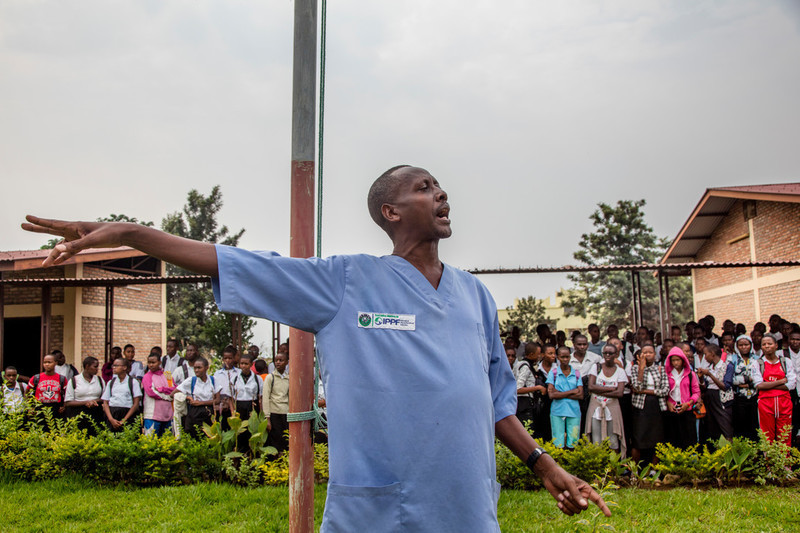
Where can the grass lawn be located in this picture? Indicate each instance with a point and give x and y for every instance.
(69, 505)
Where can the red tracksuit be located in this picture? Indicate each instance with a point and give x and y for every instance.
(775, 406)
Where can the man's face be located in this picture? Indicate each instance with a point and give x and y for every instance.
(422, 205)
(699, 333)
(594, 333)
(130, 353)
(794, 342)
(172, 348)
(774, 322)
(191, 352)
(280, 362)
(49, 363)
(11, 377)
(581, 345)
(253, 351)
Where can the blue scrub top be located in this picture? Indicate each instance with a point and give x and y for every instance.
(415, 379)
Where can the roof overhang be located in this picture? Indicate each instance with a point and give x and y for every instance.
(711, 210)
(32, 259)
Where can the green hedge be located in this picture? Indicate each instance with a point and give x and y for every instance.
(29, 452)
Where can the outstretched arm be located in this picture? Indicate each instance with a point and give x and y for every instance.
(199, 257)
(571, 493)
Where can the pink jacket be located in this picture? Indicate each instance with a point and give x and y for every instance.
(688, 376)
(157, 403)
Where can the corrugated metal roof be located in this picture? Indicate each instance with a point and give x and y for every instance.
(713, 207)
(683, 268)
(102, 282)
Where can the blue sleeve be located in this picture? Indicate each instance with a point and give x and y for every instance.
(550, 380)
(728, 379)
(301, 293)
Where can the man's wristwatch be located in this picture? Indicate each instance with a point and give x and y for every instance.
(534, 456)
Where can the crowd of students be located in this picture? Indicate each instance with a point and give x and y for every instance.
(690, 387)
(171, 392)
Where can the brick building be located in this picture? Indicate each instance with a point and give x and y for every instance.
(751, 223)
(79, 307)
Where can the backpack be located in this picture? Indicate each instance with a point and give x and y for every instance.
(781, 360)
(102, 384)
(181, 362)
(111, 386)
(194, 382)
(61, 381)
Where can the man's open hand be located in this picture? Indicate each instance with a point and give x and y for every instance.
(77, 236)
(572, 494)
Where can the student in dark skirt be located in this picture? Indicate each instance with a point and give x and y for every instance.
(247, 393)
(650, 387)
(82, 395)
(745, 395)
(718, 396)
(202, 394)
(121, 397)
(684, 393)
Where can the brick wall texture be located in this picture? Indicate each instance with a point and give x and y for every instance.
(776, 233)
(143, 335)
(139, 297)
(33, 295)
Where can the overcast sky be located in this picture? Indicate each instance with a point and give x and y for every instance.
(528, 112)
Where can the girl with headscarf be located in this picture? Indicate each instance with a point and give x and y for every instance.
(745, 395)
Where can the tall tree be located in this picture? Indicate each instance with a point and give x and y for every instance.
(529, 313)
(191, 312)
(621, 236)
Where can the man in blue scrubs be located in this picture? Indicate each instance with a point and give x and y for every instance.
(411, 430)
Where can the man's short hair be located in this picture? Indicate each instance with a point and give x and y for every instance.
(532, 348)
(382, 192)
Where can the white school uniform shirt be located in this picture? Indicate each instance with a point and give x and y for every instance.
(119, 395)
(84, 390)
(12, 399)
(589, 360)
(65, 370)
(137, 369)
(203, 390)
(171, 363)
(795, 358)
(179, 376)
(247, 389)
(224, 379)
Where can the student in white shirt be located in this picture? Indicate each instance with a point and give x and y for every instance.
(202, 394)
(246, 388)
(224, 378)
(83, 394)
(12, 392)
(122, 396)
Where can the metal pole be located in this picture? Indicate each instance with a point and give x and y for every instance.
(301, 343)
(45, 331)
(633, 300)
(2, 324)
(639, 297)
(667, 311)
(109, 321)
(661, 305)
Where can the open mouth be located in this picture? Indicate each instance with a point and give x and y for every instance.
(444, 213)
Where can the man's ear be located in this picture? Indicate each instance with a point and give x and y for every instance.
(390, 213)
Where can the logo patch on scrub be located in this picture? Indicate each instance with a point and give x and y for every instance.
(387, 321)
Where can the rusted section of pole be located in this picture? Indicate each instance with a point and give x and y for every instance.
(301, 344)
(46, 317)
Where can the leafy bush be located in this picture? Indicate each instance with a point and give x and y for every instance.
(777, 462)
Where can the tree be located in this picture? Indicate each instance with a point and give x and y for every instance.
(191, 312)
(529, 313)
(621, 236)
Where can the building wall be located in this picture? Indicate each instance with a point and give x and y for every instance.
(141, 297)
(749, 295)
(33, 295)
(143, 335)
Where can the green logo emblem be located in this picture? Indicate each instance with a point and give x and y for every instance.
(365, 319)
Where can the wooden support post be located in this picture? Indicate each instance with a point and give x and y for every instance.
(667, 310)
(2, 324)
(45, 335)
(661, 320)
(301, 344)
(236, 332)
(109, 322)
